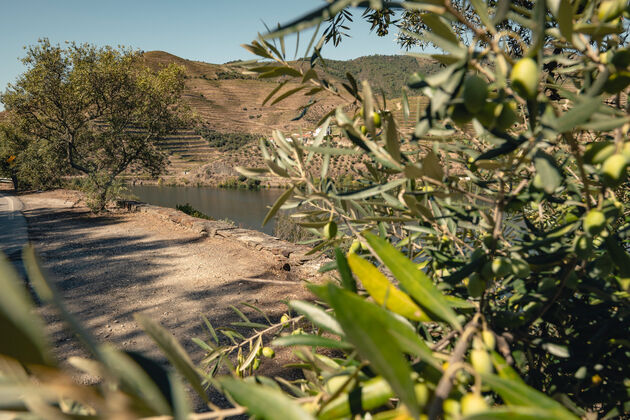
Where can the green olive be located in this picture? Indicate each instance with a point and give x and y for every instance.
(268, 352)
(520, 268)
(460, 115)
(363, 129)
(476, 286)
(488, 339)
(594, 222)
(524, 77)
(617, 82)
(330, 230)
(611, 9)
(486, 271)
(487, 115)
(507, 118)
(481, 361)
(473, 404)
(475, 93)
(501, 266)
(356, 245)
(451, 407)
(376, 118)
(614, 169)
(598, 152)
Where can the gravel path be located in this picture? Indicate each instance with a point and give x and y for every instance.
(111, 266)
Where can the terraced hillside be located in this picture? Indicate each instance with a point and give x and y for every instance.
(226, 100)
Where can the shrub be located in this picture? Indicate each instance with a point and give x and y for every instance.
(191, 211)
(225, 141)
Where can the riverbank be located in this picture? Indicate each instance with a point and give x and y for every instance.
(150, 260)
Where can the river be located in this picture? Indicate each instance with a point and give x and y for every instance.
(245, 208)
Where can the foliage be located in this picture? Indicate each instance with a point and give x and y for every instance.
(191, 211)
(489, 277)
(225, 141)
(100, 107)
(241, 183)
(510, 194)
(29, 162)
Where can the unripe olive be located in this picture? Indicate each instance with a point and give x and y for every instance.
(473, 404)
(611, 9)
(488, 339)
(422, 393)
(524, 77)
(621, 58)
(583, 246)
(501, 266)
(476, 286)
(475, 93)
(617, 82)
(376, 118)
(363, 129)
(330, 230)
(256, 363)
(451, 407)
(486, 271)
(356, 245)
(481, 361)
(598, 152)
(594, 222)
(507, 117)
(460, 115)
(614, 169)
(336, 382)
(520, 268)
(487, 115)
(489, 241)
(284, 318)
(268, 352)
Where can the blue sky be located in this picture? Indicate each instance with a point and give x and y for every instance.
(210, 30)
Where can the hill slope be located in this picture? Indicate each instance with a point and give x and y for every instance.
(387, 73)
(227, 100)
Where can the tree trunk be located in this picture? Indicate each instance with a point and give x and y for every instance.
(14, 179)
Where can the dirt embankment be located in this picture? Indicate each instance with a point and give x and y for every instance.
(110, 266)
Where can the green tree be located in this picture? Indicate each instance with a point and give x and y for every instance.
(101, 107)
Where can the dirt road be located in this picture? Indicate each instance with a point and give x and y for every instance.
(111, 266)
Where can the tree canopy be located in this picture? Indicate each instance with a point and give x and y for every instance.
(99, 107)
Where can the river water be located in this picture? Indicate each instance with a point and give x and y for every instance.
(245, 208)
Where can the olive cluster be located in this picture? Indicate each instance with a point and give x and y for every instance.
(476, 102)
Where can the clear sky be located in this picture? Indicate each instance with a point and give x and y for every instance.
(205, 30)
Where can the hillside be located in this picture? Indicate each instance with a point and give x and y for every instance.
(227, 104)
(387, 73)
(227, 100)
